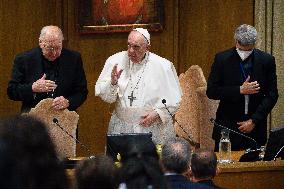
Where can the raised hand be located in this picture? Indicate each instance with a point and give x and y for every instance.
(115, 75)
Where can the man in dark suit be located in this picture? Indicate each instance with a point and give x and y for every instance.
(48, 71)
(244, 80)
(175, 159)
(204, 168)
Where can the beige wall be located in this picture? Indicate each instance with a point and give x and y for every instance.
(194, 31)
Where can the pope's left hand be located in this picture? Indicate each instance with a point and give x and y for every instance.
(149, 118)
(246, 126)
(60, 103)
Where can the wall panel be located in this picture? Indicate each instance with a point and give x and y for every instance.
(207, 27)
(194, 31)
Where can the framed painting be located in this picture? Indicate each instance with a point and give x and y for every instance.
(103, 16)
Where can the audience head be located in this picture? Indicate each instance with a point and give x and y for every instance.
(203, 165)
(31, 159)
(245, 35)
(50, 41)
(138, 44)
(96, 172)
(140, 166)
(176, 156)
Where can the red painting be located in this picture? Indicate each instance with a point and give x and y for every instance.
(120, 15)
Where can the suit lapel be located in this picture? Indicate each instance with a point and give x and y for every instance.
(236, 61)
(37, 64)
(257, 68)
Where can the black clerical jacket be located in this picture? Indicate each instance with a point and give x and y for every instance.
(28, 67)
(224, 84)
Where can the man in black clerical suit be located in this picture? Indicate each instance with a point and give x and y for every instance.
(175, 158)
(48, 71)
(244, 80)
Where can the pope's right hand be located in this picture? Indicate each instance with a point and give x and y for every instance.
(115, 75)
(42, 85)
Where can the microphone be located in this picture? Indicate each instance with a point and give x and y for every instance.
(56, 122)
(189, 138)
(212, 120)
(278, 153)
(249, 155)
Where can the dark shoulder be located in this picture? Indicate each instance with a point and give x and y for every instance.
(69, 52)
(28, 54)
(209, 184)
(262, 54)
(226, 53)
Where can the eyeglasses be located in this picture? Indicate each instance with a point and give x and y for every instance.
(54, 47)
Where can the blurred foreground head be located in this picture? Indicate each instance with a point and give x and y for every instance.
(140, 166)
(27, 156)
(97, 172)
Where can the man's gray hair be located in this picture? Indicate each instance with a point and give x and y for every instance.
(245, 35)
(176, 154)
(51, 29)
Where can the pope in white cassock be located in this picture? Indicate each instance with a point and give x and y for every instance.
(137, 81)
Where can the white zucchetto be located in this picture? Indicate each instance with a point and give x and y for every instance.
(144, 32)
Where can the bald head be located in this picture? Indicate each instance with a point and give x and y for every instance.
(50, 41)
(203, 164)
(176, 155)
(51, 32)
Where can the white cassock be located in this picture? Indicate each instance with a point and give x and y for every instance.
(150, 81)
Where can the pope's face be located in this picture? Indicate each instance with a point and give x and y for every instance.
(137, 46)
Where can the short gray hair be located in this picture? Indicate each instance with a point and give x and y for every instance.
(245, 35)
(176, 155)
(55, 30)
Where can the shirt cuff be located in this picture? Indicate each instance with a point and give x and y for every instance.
(164, 116)
(113, 89)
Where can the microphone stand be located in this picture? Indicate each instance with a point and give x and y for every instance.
(56, 122)
(238, 133)
(278, 153)
(250, 154)
(188, 138)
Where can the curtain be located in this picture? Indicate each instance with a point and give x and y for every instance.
(269, 22)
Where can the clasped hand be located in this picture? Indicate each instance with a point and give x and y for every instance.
(42, 85)
(60, 103)
(246, 126)
(149, 118)
(249, 87)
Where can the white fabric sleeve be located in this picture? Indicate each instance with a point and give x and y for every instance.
(103, 87)
(165, 115)
(107, 91)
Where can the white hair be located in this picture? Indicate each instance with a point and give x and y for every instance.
(54, 30)
(245, 35)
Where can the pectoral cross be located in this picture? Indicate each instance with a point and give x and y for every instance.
(131, 98)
